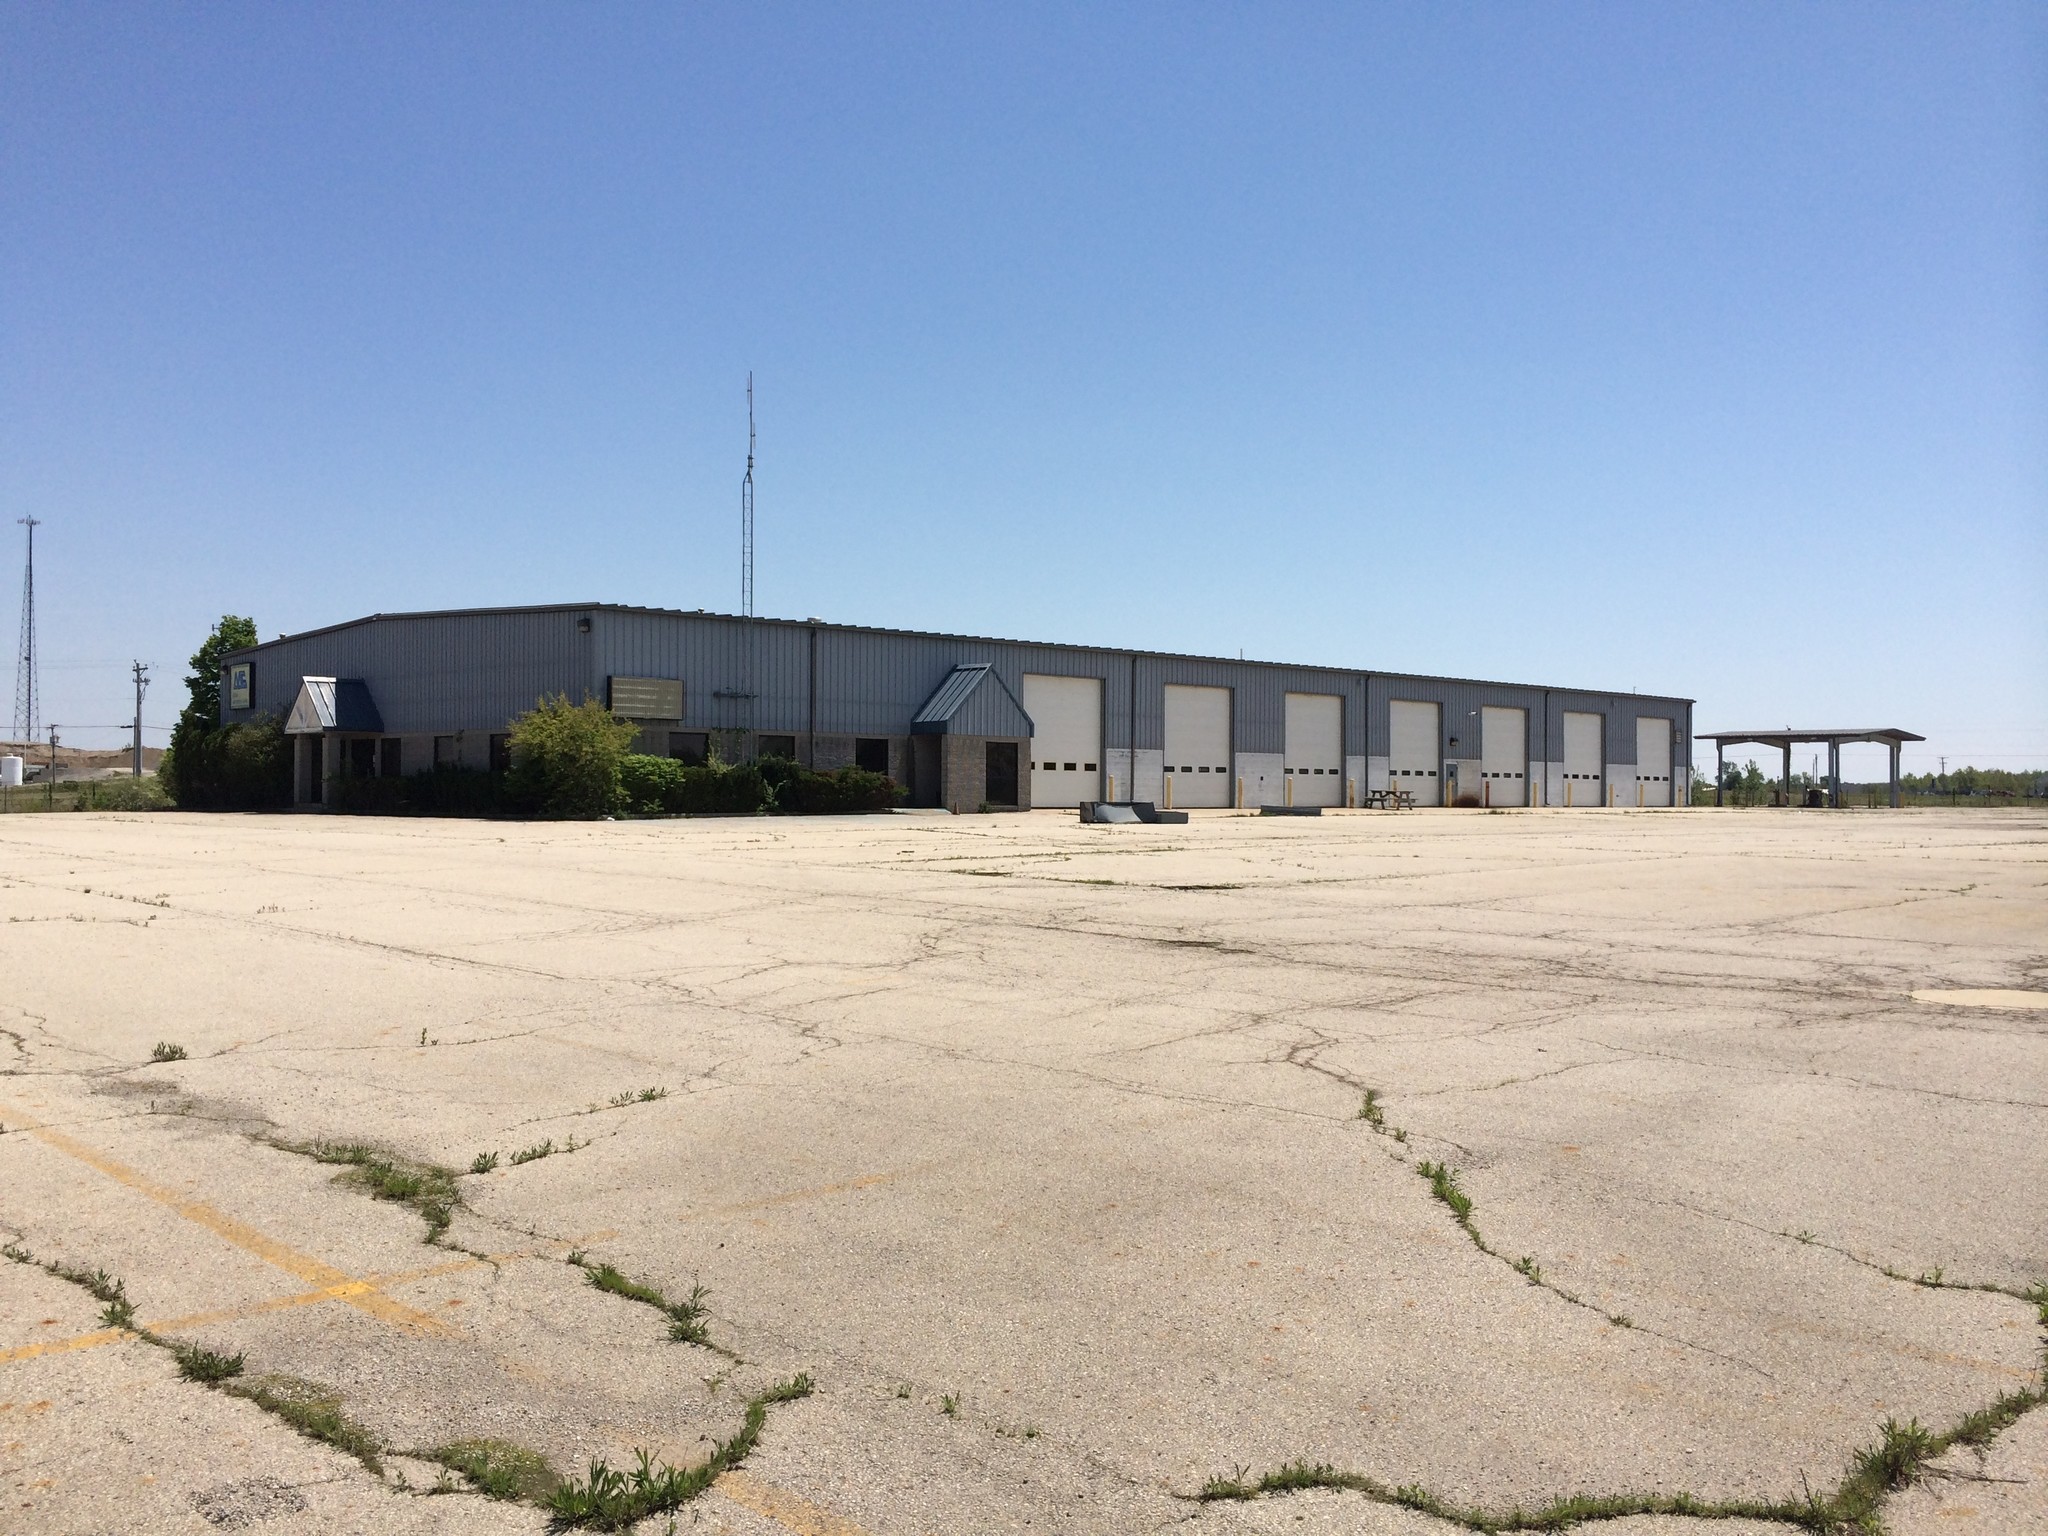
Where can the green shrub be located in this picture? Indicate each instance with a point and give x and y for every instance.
(242, 767)
(849, 792)
(368, 796)
(565, 758)
(144, 794)
(650, 785)
(660, 786)
(457, 792)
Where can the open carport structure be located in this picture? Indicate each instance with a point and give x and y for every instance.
(1891, 736)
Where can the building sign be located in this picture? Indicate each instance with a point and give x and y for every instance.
(647, 698)
(238, 685)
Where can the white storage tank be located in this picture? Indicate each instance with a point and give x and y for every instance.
(10, 772)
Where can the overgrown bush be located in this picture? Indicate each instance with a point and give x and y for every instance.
(368, 796)
(848, 792)
(244, 767)
(129, 794)
(565, 758)
(661, 786)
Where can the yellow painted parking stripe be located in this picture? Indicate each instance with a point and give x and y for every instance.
(783, 1507)
(232, 1230)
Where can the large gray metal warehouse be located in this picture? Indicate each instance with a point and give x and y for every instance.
(963, 722)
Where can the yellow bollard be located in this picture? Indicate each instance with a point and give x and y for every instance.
(1486, 793)
(1112, 789)
(1240, 792)
(1567, 794)
(1290, 789)
(1351, 794)
(1639, 797)
(1168, 785)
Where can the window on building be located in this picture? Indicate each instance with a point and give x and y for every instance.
(391, 757)
(445, 753)
(692, 747)
(871, 753)
(362, 757)
(501, 752)
(775, 746)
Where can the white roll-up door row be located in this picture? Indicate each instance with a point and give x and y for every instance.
(1066, 749)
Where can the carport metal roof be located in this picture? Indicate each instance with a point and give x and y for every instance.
(1889, 735)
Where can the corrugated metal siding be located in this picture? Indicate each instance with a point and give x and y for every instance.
(477, 670)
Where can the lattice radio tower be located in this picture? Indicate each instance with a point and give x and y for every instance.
(28, 721)
(747, 513)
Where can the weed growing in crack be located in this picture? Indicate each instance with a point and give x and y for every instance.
(1370, 1112)
(166, 1051)
(903, 1391)
(498, 1469)
(541, 1149)
(428, 1189)
(607, 1499)
(116, 1311)
(1529, 1269)
(314, 1412)
(483, 1162)
(1621, 1320)
(685, 1318)
(204, 1365)
(1443, 1183)
(949, 1405)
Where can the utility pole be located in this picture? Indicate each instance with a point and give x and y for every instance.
(26, 710)
(50, 787)
(141, 687)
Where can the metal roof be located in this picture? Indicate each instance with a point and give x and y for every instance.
(954, 705)
(933, 634)
(1890, 735)
(333, 704)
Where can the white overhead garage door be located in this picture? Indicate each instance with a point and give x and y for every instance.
(1653, 760)
(1066, 745)
(1585, 771)
(1414, 733)
(1503, 756)
(1315, 748)
(1198, 746)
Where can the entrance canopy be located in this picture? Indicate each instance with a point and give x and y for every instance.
(1887, 735)
(333, 704)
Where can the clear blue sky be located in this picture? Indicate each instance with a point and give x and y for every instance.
(1696, 349)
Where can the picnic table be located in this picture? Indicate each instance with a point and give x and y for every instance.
(1390, 799)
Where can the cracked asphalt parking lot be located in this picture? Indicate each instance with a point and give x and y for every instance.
(1043, 1150)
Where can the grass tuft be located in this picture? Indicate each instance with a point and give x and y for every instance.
(608, 1499)
(1370, 1112)
(428, 1189)
(166, 1051)
(204, 1365)
(499, 1469)
(1443, 1183)
(685, 1318)
(314, 1412)
(483, 1162)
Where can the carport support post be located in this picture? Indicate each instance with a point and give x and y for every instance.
(1834, 775)
(1788, 771)
(1895, 776)
(1720, 768)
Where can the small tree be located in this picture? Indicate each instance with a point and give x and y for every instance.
(565, 757)
(190, 768)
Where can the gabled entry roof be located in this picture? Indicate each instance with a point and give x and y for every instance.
(972, 701)
(333, 704)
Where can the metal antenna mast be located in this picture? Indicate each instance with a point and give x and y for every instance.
(27, 709)
(747, 513)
